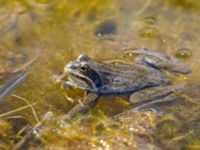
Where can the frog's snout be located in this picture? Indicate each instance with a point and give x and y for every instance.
(70, 65)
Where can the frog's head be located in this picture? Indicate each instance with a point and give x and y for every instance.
(82, 73)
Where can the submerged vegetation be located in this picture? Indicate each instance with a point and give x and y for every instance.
(42, 36)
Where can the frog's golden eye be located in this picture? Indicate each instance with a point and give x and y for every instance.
(84, 67)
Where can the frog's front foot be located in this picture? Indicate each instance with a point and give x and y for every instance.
(157, 60)
(148, 99)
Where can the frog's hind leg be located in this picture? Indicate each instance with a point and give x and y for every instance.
(160, 61)
(149, 98)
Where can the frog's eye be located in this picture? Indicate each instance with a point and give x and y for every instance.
(84, 67)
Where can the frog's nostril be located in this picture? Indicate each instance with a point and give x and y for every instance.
(70, 66)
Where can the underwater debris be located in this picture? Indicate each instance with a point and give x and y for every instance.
(149, 32)
(7, 88)
(106, 28)
(35, 133)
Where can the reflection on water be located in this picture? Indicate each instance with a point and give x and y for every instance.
(102, 29)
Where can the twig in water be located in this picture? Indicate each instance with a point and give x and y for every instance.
(29, 62)
(16, 110)
(23, 67)
(7, 88)
(145, 6)
(27, 102)
(34, 134)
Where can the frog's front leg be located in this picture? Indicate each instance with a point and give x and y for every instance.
(88, 103)
(148, 98)
(157, 60)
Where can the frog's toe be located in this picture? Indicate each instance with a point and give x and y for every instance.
(139, 109)
(182, 68)
(167, 63)
(175, 65)
(153, 109)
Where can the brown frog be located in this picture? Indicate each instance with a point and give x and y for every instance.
(143, 82)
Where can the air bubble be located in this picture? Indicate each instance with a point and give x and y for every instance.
(183, 53)
(149, 20)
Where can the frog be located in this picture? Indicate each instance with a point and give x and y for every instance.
(144, 82)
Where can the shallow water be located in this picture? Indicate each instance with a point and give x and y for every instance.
(102, 29)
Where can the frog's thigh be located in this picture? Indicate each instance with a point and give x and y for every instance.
(155, 93)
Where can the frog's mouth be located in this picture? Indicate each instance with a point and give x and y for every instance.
(80, 81)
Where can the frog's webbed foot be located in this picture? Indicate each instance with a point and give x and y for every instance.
(148, 99)
(154, 59)
(7, 88)
(153, 106)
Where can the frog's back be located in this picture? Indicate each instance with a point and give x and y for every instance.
(122, 79)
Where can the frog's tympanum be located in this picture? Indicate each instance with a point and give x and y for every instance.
(143, 82)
